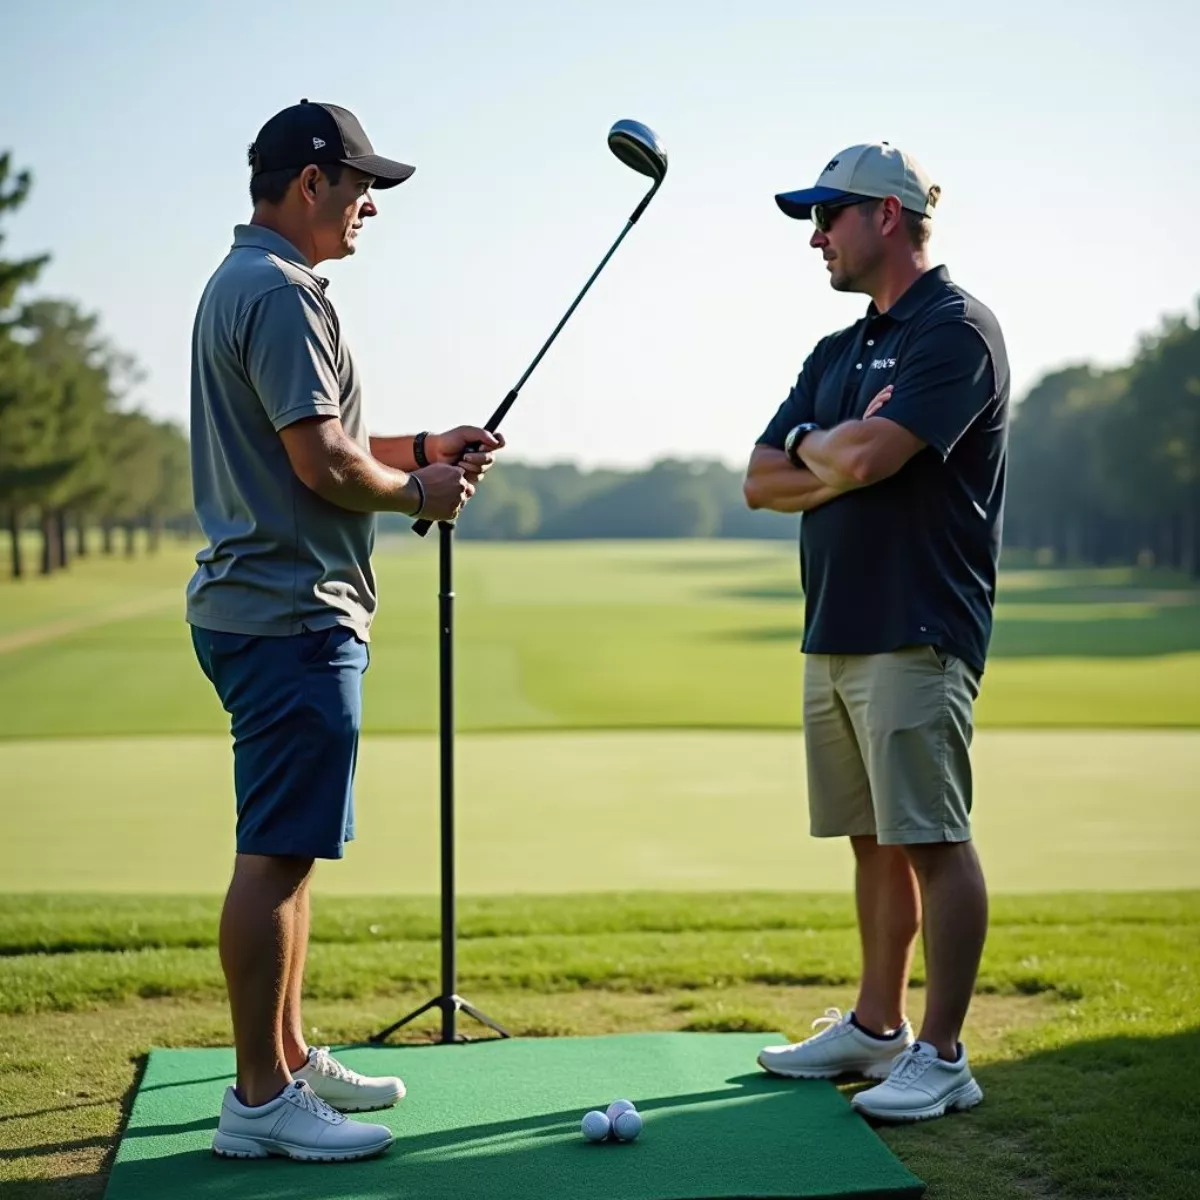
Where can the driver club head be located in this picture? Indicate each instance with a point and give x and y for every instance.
(637, 146)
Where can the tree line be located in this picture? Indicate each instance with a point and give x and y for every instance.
(672, 498)
(74, 454)
(1104, 465)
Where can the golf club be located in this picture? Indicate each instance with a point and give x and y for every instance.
(637, 146)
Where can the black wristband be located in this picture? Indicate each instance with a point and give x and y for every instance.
(419, 448)
(421, 493)
(792, 442)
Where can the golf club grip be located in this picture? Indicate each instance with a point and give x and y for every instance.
(424, 525)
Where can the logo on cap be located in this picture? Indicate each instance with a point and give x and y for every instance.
(830, 165)
(318, 143)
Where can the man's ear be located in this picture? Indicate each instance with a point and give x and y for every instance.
(892, 213)
(308, 182)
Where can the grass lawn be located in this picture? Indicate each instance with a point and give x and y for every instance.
(1084, 1029)
(597, 811)
(590, 635)
(631, 860)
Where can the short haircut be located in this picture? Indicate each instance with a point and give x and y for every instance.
(916, 224)
(919, 228)
(270, 187)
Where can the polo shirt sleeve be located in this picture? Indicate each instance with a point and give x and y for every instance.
(286, 342)
(800, 406)
(945, 380)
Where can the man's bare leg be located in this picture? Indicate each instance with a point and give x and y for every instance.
(956, 918)
(257, 937)
(889, 919)
(295, 1045)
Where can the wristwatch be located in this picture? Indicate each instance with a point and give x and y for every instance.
(791, 444)
(419, 454)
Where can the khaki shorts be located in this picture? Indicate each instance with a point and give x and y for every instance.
(887, 738)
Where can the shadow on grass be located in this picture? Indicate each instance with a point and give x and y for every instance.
(1157, 632)
(139, 1075)
(1109, 1118)
(87, 1185)
(1089, 614)
(1034, 628)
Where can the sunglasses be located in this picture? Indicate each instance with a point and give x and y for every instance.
(824, 215)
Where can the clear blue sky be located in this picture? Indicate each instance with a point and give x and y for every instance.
(1063, 135)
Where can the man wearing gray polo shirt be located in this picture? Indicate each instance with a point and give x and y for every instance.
(286, 484)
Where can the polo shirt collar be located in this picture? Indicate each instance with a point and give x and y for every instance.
(259, 237)
(917, 296)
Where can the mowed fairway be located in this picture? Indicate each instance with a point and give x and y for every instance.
(629, 717)
(600, 811)
(591, 636)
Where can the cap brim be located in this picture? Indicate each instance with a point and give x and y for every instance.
(799, 204)
(387, 171)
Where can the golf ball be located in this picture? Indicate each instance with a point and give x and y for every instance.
(595, 1126)
(617, 1107)
(627, 1125)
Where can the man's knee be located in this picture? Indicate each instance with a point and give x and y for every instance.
(869, 853)
(928, 858)
(277, 872)
(865, 846)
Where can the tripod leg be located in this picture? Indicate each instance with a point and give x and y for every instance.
(384, 1034)
(482, 1018)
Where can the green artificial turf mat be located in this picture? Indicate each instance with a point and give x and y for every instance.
(501, 1119)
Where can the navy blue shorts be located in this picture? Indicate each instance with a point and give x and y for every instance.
(295, 707)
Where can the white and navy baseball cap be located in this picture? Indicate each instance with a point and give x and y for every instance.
(872, 170)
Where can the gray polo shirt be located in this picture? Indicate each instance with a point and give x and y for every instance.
(267, 351)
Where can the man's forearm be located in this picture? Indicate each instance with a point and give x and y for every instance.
(772, 482)
(361, 482)
(836, 456)
(395, 452)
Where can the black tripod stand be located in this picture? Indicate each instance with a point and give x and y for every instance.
(448, 1000)
(637, 147)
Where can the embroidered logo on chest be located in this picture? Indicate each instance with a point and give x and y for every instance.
(882, 364)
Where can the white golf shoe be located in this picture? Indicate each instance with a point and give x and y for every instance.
(840, 1048)
(921, 1086)
(296, 1124)
(344, 1089)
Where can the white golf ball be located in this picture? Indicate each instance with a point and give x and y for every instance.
(627, 1125)
(596, 1126)
(617, 1107)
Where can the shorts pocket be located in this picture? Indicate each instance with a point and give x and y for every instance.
(314, 645)
(943, 658)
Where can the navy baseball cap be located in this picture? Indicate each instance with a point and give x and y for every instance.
(321, 133)
(874, 170)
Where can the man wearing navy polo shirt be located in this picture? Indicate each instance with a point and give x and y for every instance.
(892, 443)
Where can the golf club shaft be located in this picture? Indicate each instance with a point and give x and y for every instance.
(423, 526)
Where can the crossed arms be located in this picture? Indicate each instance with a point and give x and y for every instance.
(852, 455)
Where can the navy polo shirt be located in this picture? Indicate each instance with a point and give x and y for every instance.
(910, 560)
